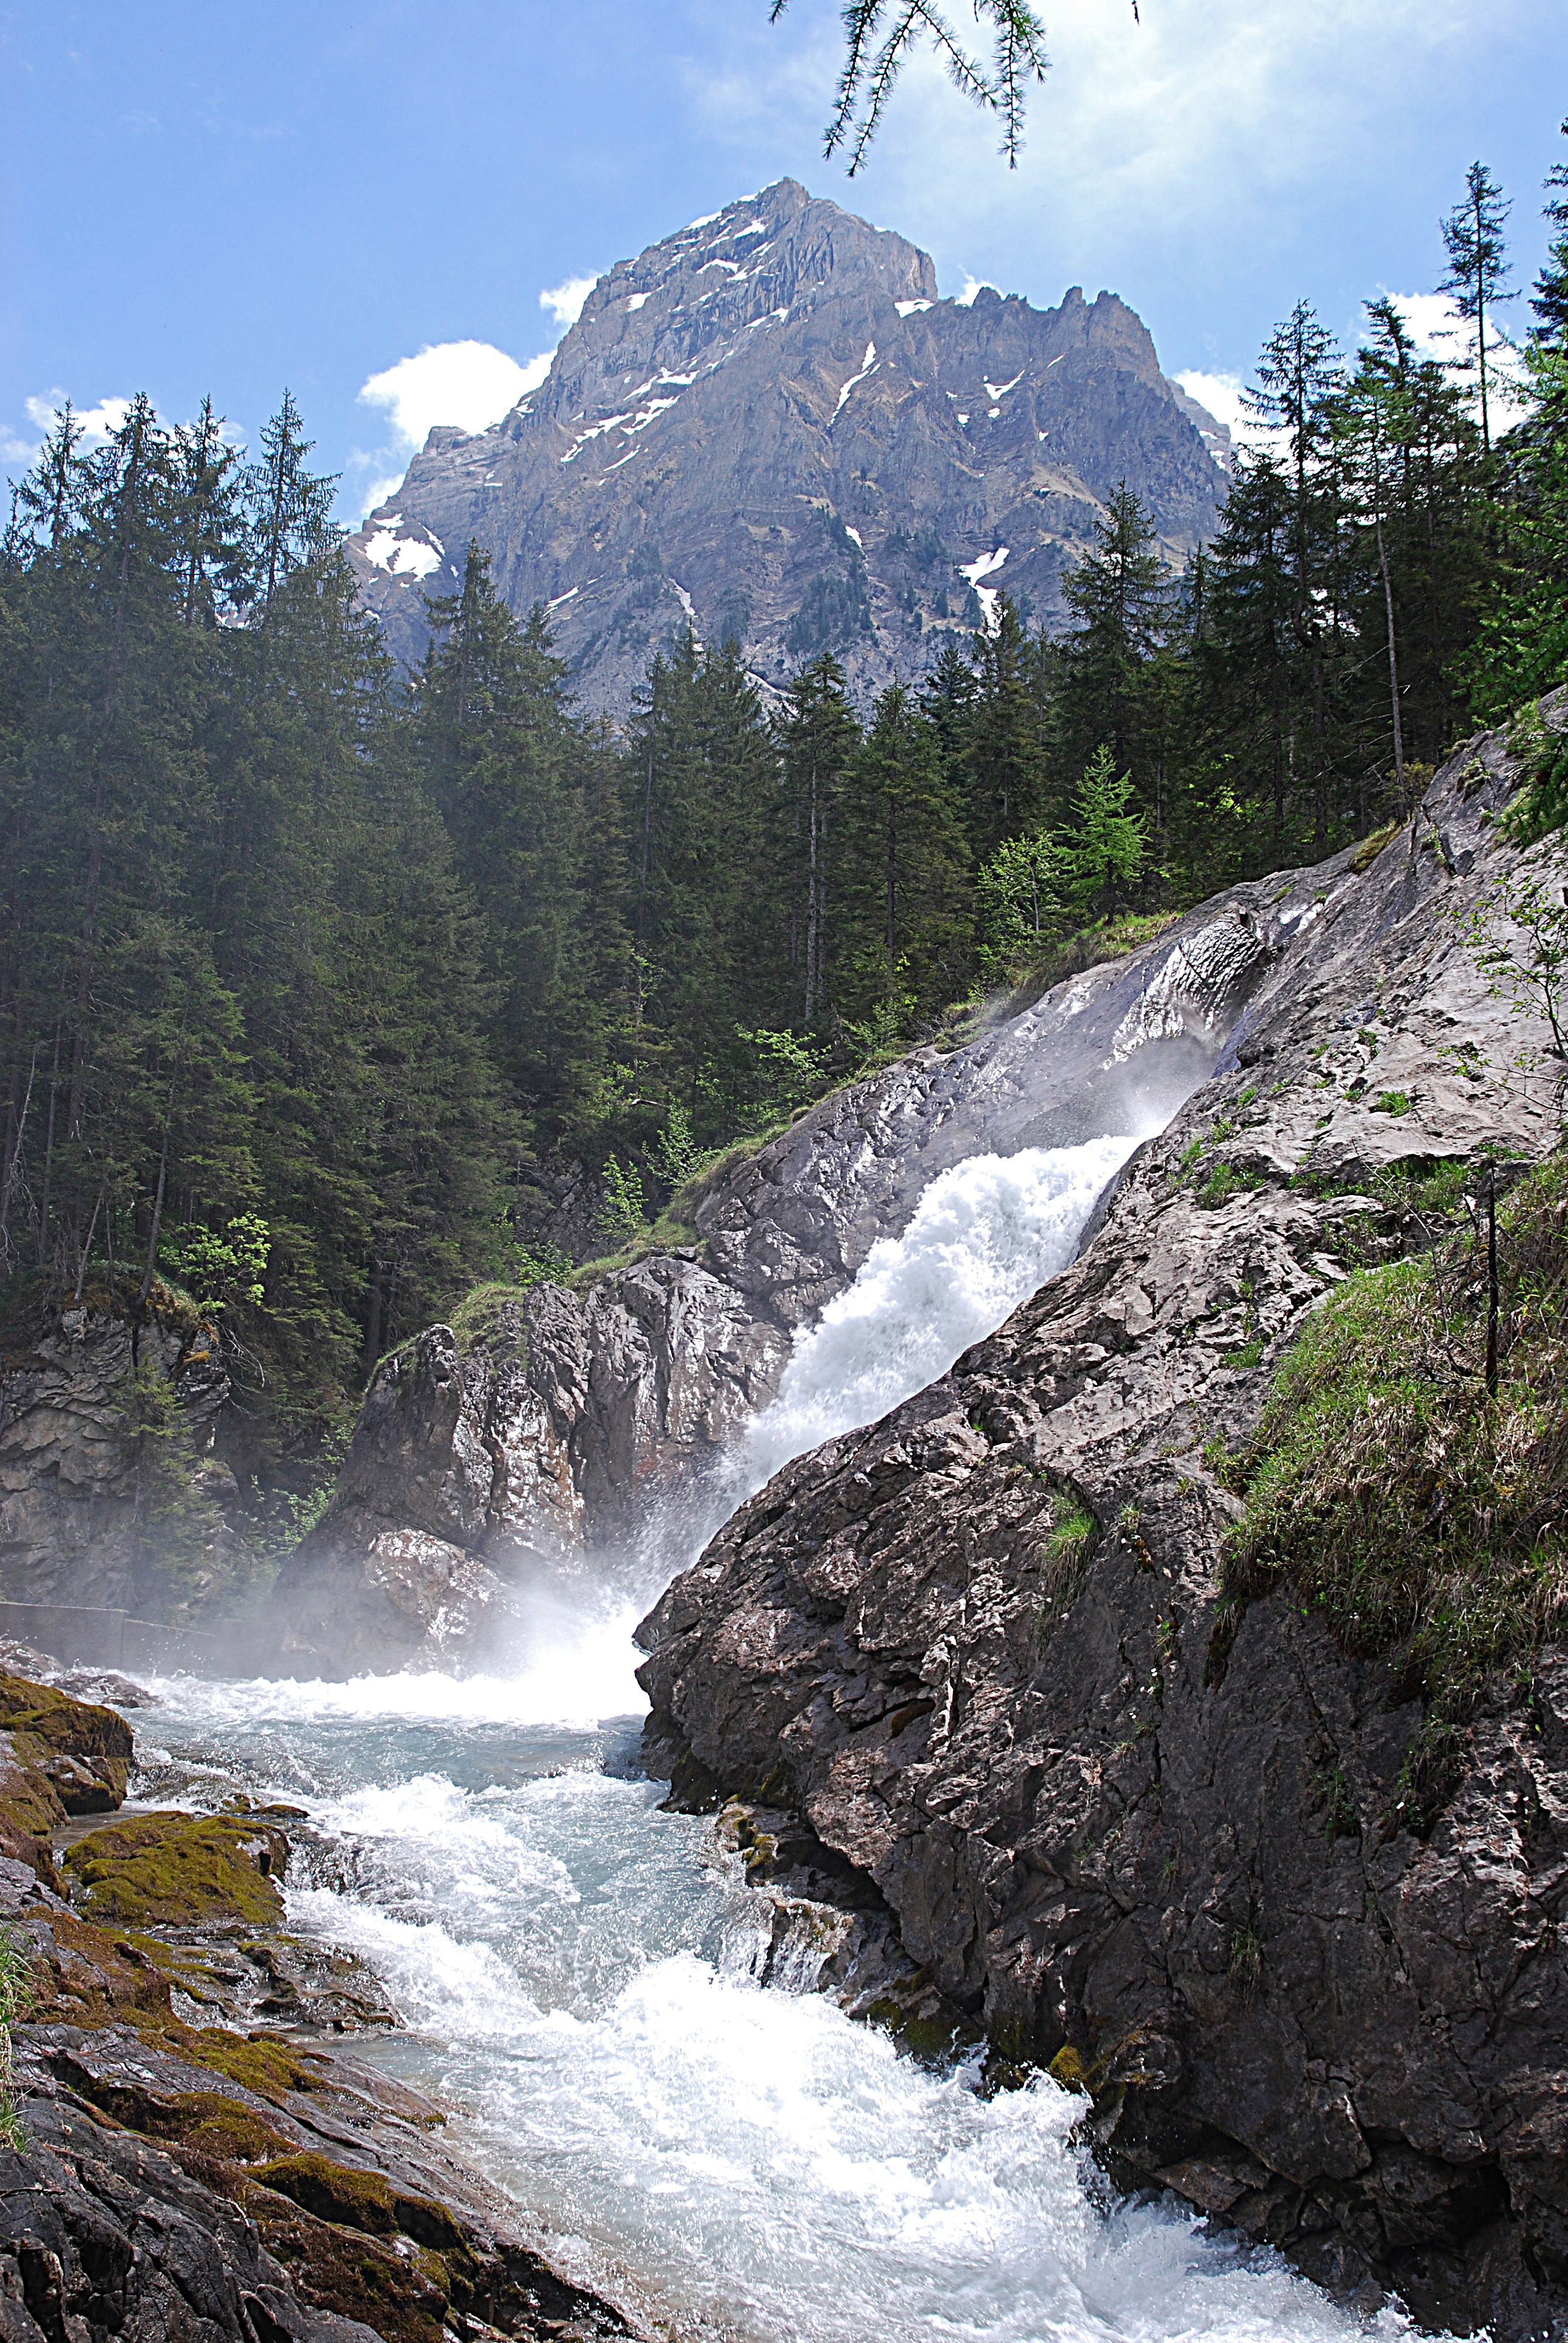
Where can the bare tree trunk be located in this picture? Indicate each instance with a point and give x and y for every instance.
(49, 1160)
(15, 1159)
(82, 1256)
(374, 1314)
(810, 1010)
(147, 1273)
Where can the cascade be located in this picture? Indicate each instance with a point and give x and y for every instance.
(580, 1973)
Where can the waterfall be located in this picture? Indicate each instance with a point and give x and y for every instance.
(578, 1972)
(983, 1237)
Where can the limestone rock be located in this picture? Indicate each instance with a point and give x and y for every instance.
(68, 1461)
(774, 398)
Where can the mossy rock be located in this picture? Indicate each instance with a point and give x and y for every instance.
(260, 2063)
(400, 2292)
(209, 2124)
(154, 1871)
(360, 2200)
(70, 1729)
(1068, 2069)
(89, 1979)
(67, 1757)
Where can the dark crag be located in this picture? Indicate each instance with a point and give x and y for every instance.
(1149, 1822)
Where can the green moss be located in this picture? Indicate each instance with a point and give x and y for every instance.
(334, 2192)
(477, 1321)
(258, 2062)
(1417, 1513)
(1367, 852)
(1395, 1103)
(161, 1871)
(1067, 2068)
(342, 2269)
(203, 2122)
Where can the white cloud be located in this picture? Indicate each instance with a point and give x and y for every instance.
(470, 384)
(972, 285)
(565, 302)
(1434, 324)
(98, 423)
(1220, 393)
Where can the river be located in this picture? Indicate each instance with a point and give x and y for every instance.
(578, 1973)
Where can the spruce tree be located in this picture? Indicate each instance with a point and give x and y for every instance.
(906, 924)
(1003, 762)
(818, 734)
(1477, 274)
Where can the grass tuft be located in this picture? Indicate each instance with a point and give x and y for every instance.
(1424, 1516)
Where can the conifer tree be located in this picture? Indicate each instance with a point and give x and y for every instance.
(818, 734)
(1477, 274)
(1550, 298)
(1002, 762)
(1121, 598)
(906, 865)
(1110, 837)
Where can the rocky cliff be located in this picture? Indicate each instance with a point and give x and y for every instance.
(1140, 1826)
(480, 1466)
(770, 426)
(111, 1496)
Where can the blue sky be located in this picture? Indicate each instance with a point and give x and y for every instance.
(235, 197)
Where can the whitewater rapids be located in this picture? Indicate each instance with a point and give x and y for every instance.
(578, 1972)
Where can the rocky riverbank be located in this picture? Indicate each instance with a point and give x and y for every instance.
(1145, 1823)
(190, 2150)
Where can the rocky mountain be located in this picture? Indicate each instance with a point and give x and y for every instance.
(770, 427)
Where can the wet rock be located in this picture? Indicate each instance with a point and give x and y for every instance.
(164, 1872)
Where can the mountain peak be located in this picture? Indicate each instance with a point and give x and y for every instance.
(770, 426)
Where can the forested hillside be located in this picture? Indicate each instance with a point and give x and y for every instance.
(310, 976)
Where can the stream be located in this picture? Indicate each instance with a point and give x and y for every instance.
(578, 1973)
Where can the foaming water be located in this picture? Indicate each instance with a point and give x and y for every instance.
(578, 1973)
(983, 1237)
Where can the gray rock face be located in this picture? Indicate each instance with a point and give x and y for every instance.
(1094, 1835)
(472, 1475)
(69, 1484)
(101, 2234)
(775, 398)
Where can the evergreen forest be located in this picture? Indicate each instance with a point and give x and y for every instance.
(317, 980)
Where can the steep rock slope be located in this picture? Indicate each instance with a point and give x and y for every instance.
(1159, 1858)
(74, 1499)
(474, 1469)
(769, 425)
